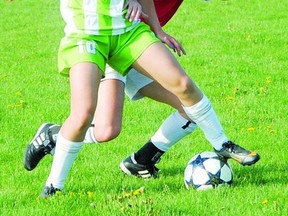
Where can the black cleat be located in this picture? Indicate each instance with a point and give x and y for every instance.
(241, 155)
(49, 191)
(130, 167)
(42, 144)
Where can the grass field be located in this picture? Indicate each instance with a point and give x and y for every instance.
(236, 52)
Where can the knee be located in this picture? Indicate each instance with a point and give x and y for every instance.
(185, 85)
(82, 120)
(105, 134)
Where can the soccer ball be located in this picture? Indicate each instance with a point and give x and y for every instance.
(207, 170)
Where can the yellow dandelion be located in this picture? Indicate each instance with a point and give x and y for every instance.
(21, 103)
(229, 98)
(126, 195)
(251, 129)
(264, 202)
(262, 89)
(90, 194)
(270, 129)
(138, 191)
(248, 37)
(268, 79)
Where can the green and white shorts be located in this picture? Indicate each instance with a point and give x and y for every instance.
(119, 51)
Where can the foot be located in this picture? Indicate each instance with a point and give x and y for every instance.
(48, 191)
(241, 155)
(42, 144)
(130, 167)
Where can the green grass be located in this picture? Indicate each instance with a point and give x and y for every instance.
(236, 52)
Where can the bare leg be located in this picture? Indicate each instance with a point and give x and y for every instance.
(156, 92)
(108, 115)
(84, 82)
(168, 74)
(172, 77)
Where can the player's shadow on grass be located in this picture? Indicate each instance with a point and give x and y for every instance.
(258, 174)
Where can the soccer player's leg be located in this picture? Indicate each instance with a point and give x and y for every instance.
(108, 115)
(85, 69)
(130, 165)
(200, 109)
(196, 105)
(175, 127)
(137, 88)
(84, 81)
(107, 118)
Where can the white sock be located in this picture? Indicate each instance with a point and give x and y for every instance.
(205, 117)
(65, 154)
(174, 128)
(89, 136)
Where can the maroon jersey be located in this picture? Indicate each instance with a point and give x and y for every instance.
(165, 9)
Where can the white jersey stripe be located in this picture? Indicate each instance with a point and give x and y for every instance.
(91, 19)
(95, 17)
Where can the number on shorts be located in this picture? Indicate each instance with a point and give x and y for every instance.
(87, 46)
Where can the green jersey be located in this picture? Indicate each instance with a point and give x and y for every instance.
(95, 17)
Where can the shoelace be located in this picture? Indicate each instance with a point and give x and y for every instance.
(47, 149)
(50, 136)
(230, 146)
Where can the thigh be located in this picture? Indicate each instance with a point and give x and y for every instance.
(160, 64)
(156, 92)
(84, 83)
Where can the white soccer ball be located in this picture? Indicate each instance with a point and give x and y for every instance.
(207, 170)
